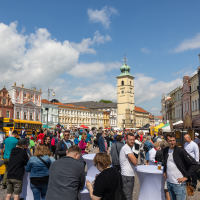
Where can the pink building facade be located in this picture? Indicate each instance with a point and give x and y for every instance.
(186, 97)
(27, 103)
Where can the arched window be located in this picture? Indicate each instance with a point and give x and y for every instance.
(122, 82)
(130, 82)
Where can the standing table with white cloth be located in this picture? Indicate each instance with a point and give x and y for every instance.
(91, 169)
(91, 173)
(151, 182)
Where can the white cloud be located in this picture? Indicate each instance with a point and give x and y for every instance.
(37, 59)
(187, 44)
(185, 72)
(97, 91)
(93, 70)
(154, 109)
(147, 89)
(145, 50)
(83, 47)
(102, 16)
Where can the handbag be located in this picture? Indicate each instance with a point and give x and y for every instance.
(190, 189)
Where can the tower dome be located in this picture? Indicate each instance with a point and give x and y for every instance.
(125, 70)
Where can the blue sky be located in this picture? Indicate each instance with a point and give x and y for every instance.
(77, 47)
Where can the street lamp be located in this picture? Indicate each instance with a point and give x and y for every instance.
(47, 109)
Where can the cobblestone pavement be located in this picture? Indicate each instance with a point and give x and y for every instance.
(136, 190)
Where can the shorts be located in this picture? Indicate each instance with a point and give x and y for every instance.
(1, 145)
(14, 185)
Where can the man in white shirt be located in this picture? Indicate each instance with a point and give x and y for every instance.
(128, 162)
(192, 148)
(178, 167)
(197, 139)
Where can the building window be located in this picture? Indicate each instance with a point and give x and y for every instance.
(194, 86)
(24, 94)
(37, 117)
(25, 115)
(195, 106)
(17, 115)
(44, 119)
(188, 106)
(7, 114)
(192, 105)
(31, 116)
(122, 82)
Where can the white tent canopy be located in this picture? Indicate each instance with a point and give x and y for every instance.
(168, 129)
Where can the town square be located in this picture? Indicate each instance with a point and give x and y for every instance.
(99, 100)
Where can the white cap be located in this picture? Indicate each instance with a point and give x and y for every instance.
(196, 134)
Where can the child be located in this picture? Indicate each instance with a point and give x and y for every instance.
(76, 140)
(32, 145)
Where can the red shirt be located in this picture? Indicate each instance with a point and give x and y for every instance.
(40, 137)
(141, 136)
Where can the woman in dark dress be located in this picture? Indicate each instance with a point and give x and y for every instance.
(106, 183)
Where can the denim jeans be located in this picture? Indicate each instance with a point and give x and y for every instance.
(39, 191)
(176, 191)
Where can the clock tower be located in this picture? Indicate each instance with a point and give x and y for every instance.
(125, 98)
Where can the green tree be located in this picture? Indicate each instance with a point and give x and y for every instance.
(105, 101)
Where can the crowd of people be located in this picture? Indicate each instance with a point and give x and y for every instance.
(57, 169)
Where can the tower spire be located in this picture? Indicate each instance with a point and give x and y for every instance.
(125, 59)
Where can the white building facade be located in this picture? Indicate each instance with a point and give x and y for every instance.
(178, 105)
(52, 113)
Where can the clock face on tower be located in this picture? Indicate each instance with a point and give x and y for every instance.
(122, 91)
(131, 92)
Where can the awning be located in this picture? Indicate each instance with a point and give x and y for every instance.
(166, 128)
(145, 127)
(83, 126)
(45, 126)
(178, 125)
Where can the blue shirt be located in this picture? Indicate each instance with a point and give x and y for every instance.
(10, 143)
(76, 141)
(114, 139)
(88, 138)
(68, 143)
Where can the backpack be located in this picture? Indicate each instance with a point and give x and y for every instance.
(146, 149)
(53, 142)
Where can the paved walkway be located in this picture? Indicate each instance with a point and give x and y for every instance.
(136, 190)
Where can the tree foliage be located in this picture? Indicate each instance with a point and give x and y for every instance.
(105, 101)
